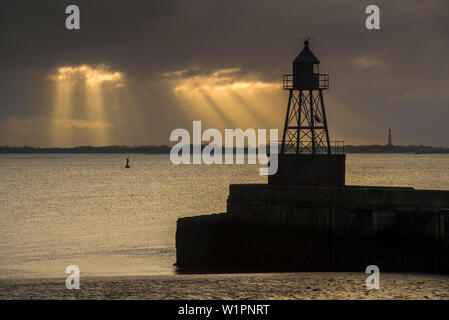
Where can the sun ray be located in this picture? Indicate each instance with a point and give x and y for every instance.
(62, 109)
(95, 79)
(95, 111)
(225, 97)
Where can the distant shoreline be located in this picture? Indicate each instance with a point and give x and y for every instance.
(165, 149)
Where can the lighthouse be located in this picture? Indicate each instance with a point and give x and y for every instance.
(305, 128)
(306, 157)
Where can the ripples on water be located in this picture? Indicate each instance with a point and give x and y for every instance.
(301, 285)
(86, 209)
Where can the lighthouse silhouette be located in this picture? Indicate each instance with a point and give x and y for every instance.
(305, 128)
(306, 157)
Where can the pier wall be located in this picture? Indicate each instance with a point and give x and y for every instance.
(279, 228)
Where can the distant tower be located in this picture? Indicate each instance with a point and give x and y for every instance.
(305, 128)
(390, 141)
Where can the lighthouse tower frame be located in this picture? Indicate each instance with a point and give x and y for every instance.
(306, 157)
(305, 128)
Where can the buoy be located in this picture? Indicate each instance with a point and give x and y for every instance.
(127, 163)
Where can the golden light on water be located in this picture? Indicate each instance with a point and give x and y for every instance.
(92, 81)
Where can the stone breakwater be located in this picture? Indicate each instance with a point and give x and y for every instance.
(290, 228)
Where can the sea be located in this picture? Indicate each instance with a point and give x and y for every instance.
(118, 227)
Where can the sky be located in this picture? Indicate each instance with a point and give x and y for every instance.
(136, 70)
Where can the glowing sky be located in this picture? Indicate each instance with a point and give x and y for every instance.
(93, 80)
(137, 70)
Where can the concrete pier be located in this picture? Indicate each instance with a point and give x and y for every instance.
(296, 228)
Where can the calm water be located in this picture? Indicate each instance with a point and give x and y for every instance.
(87, 210)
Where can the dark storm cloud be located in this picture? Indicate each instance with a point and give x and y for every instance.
(396, 77)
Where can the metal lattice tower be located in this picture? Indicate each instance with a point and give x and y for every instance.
(305, 128)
